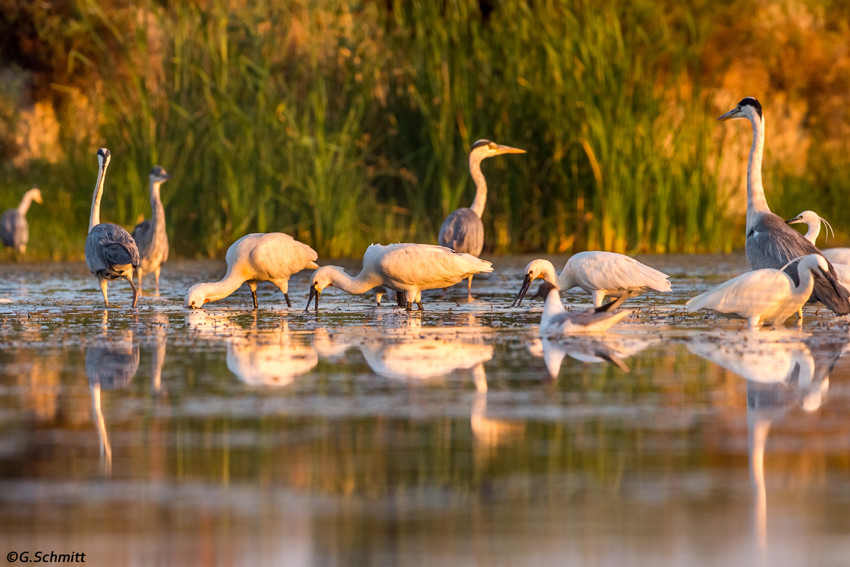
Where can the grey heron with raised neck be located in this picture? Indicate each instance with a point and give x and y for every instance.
(14, 230)
(150, 235)
(770, 242)
(463, 230)
(111, 252)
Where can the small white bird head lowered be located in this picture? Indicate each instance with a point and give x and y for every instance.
(535, 269)
(321, 279)
(197, 296)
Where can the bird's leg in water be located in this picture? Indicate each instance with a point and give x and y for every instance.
(253, 287)
(286, 297)
(155, 278)
(419, 303)
(139, 271)
(469, 287)
(103, 283)
(135, 291)
(401, 299)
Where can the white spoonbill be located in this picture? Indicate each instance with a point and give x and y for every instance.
(14, 229)
(556, 320)
(770, 242)
(463, 231)
(766, 296)
(404, 267)
(260, 257)
(813, 221)
(600, 273)
(111, 252)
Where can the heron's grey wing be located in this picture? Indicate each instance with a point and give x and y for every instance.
(8, 224)
(110, 245)
(143, 235)
(463, 231)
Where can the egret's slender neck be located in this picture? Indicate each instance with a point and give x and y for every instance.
(807, 281)
(480, 184)
(756, 202)
(813, 232)
(94, 219)
(361, 283)
(26, 202)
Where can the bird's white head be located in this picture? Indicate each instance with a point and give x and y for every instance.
(197, 296)
(815, 263)
(321, 279)
(533, 270)
(810, 219)
(159, 175)
(35, 195)
(103, 157)
(748, 108)
(483, 149)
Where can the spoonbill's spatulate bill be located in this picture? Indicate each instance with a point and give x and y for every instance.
(150, 235)
(463, 231)
(405, 267)
(111, 252)
(600, 273)
(14, 229)
(260, 257)
(765, 296)
(771, 243)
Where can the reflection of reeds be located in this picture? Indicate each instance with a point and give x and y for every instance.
(346, 124)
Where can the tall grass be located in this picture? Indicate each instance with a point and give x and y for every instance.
(346, 123)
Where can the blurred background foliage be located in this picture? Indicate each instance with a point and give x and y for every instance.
(348, 122)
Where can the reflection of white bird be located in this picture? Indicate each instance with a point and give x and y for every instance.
(263, 257)
(556, 320)
(463, 231)
(840, 257)
(408, 268)
(111, 252)
(604, 347)
(14, 229)
(150, 235)
(600, 273)
(765, 296)
(770, 242)
(269, 358)
(423, 357)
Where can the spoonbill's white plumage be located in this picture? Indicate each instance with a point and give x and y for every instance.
(813, 221)
(14, 229)
(463, 231)
(404, 267)
(771, 243)
(600, 273)
(150, 235)
(111, 252)
(555, 320)
(765, 296)
(260, 257)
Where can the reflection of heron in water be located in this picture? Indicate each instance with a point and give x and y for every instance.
(488, 431)
(155, 336)
(111, 364)
(781, 372)
(603, 347)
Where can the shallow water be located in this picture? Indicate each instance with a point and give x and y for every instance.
(363, 435)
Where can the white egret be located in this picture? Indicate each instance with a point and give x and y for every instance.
(600, 273)
(404, 267)
(463, 231)
(260, 257)
(813, 221)
(150, 235)
(14, 229)
(111, 252)
(555, 320)
(765, 296)
(770, 242)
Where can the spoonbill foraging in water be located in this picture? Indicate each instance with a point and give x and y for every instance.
(404, 267)
(260, 257)
(556, 320)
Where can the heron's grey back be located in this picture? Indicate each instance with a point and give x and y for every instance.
(109, 245)
(463, 231)
(13, 228)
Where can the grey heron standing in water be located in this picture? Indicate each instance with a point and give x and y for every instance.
(111, 252)
(14, 230)
(463, 231)
(150, 235)
(770, 242)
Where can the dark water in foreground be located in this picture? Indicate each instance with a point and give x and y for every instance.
(364, 436)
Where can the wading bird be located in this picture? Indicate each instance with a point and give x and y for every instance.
(407, 268)
(765, 296)
(14, 230)
(150, 235)
(111, 252)
(770, 242)
(556, 320)
(813, 221)
(261, 257)
(463, 231)
(600, 273)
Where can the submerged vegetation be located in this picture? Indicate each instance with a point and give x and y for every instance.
(345, 123)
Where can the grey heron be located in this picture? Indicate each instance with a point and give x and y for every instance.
(770, 242)
(259, 257)
(463, 231)
(555, 320)
(767, 295)
(600, 273)
(403, 267)
(150, 235)
(813, 221)
(111, 252)
(14, 230)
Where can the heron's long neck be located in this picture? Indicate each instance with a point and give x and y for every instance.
(480, 185)
(756, 202)
(25, 203)
(157, 210)
(94, 219)
(361, 283)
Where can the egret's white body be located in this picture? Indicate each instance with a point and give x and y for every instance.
(404, 267)
(600, 273)
(555, 320)
(260, 257)
(766, 296)
(14, 229)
